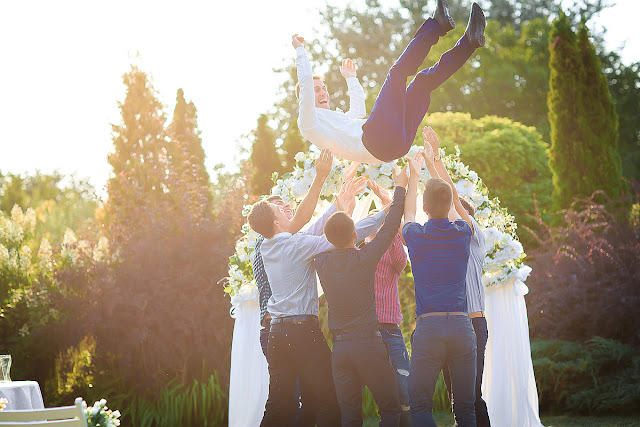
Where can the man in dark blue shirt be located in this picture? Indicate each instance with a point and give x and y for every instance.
(439, 253)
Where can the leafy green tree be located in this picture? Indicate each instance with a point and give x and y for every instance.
(511, 159)
(139, 159)
(264, 158)
(186, 161)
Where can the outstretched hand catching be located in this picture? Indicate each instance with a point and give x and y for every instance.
(346, 199)
(430, 137)
(415, 164)
(348, 68)
(400, 179)
(324, 164)
(350, 171)
(297, 41)
(380, 192)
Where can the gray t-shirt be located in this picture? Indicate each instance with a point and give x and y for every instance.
(475, 288)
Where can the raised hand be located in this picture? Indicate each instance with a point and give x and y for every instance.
(380, 192)
(346, 199)
(348, 68)
(428, 154)
(297, 41)
(430, 137)
(415, 164)
(324, 164)
(350, 171)
(400, 179)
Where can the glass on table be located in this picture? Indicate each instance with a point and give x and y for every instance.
(5, 367)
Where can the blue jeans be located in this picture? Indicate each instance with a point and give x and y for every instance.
(392, 336)
(482, 335)
(438, 340)
(398, 111)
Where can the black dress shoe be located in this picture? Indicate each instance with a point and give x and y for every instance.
(442, 16)
(475, 27)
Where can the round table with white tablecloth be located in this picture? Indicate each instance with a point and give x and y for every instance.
(21, 394)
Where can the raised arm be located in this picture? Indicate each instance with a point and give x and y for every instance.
(346, 198)
(415, 166)
(430, 135)
(307, 117)
(357, 109)
(308, 205)
(379, 245)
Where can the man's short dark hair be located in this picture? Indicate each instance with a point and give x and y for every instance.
(261, 218)
(467, 206)
(437, 197)
(339, 230)
(298, 85)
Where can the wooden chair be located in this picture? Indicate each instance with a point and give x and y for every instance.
(63, 416)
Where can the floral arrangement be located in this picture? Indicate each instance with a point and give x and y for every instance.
(99, 415)
(503, 264)
(3, 403)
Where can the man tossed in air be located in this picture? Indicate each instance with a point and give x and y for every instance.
(389, 131)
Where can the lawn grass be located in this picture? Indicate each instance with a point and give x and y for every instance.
(445, 419)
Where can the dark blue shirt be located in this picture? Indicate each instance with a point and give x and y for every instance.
(439, 253)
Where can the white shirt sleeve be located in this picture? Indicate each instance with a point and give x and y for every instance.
(369, 225)
(317, 228)
(307, 117)
(357, 109)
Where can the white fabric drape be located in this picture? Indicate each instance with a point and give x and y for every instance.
(249, 379)
(508, 384)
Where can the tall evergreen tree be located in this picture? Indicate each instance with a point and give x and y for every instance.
(188, 177)
(567, 153)
(139, 159)
(599, 114)
(293, 144)
(264, 158)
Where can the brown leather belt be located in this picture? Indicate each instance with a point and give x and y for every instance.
(476, 314)
(444, 313)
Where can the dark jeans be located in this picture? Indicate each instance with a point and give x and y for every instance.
(359, 362)
(306, 415)
(398, 111)
(392, 336)
(482, 334)
(299, 351)
(436, 341)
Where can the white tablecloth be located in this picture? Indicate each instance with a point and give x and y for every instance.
(22, 394)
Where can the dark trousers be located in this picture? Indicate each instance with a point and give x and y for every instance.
(359, 362)
(392, 336)
(306, 414)
(299, 351)
(482, 335)
(438, 340)
(398, 111)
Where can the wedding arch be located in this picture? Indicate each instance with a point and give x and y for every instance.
(508, 384)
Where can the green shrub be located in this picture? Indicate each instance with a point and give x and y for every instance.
(599, 377)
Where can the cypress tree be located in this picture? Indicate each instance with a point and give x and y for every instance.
(188, 178)
(602, 158)
(264, 158)
(567, 153)
(139, 159)
(293, 144)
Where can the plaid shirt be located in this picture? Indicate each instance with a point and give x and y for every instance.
(388, 273)
(261, 278)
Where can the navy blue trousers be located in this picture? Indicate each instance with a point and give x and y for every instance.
(439, 340)
(398, 111)
(482, 335)
(392, 336)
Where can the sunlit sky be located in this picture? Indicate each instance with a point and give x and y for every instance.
(62, 63)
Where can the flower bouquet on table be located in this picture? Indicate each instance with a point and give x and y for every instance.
(99, 415)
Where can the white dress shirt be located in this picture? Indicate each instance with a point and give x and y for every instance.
(339, 132)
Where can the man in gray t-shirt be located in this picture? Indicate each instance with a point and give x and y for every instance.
(475, 307)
